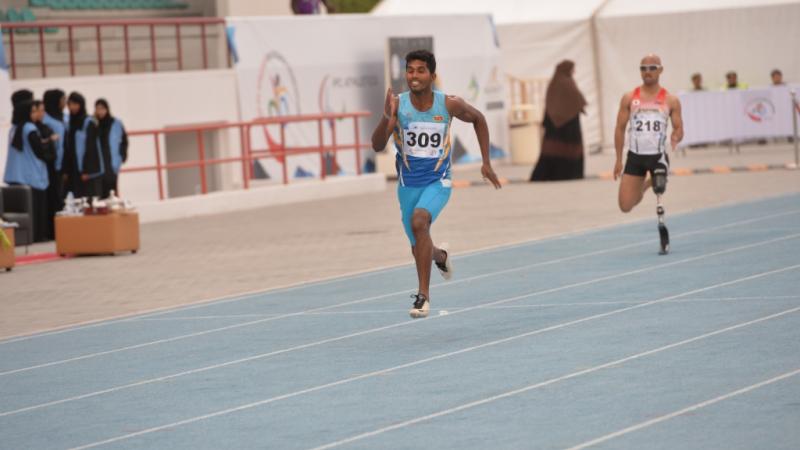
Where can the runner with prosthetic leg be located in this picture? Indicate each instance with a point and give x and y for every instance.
(644, 115)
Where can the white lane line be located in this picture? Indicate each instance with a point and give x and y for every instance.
(405, 310)
(339, 305)
(749, 297)
(221, 316)
(633, 302)
(543, 383)
(761, 230)
(248, 295)
(501, 307)
(686, 410)
(469, 349)
(229, 363)
(740, 299)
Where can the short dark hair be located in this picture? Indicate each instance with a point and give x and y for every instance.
(775, 72)
(424, 56)
(696, 75)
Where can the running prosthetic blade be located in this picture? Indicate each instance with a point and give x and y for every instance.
(663, 233)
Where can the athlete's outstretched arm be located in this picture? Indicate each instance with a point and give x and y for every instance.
(387, 123)
(677, 121)
(623, 116)
(462, 110)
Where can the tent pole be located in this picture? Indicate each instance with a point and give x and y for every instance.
(795, 112)
(597, 74)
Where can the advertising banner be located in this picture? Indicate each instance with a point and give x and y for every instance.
(737, 115)
(307, 65)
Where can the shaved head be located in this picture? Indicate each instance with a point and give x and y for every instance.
(651, 59)
(650, 69)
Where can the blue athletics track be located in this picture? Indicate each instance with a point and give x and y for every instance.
(585, 340)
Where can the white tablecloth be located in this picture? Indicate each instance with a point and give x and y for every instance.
(737, 115)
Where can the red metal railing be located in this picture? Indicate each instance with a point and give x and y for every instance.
(126, 24)
(278, 150)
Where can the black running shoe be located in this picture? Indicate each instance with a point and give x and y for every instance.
(445, 268)
(421, 307)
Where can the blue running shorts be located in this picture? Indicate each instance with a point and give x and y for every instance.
(431, 198)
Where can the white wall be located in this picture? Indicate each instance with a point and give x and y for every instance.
(154, 101)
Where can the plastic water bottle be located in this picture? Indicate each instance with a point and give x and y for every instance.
(114, 202)
(69, 205)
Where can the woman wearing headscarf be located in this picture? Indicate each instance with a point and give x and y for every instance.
(49, 141)
(25, 164)
(83, 164)
(54, 103)
(19, 96)
(113, 143)
(561, 157)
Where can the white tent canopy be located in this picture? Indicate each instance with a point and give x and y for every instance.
(503, 11)
(618, 8)
(707, 36)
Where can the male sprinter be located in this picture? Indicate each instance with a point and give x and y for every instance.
(647, 108)
(419, 121)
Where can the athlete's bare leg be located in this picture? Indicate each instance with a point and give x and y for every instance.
(439, 255)
(631, 191)
(424, 251)
(648, 183)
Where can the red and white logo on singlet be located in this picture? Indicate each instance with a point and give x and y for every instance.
(659, 103)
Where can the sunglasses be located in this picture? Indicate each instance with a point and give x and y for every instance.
(651, 68)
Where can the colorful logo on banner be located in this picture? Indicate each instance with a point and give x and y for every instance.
(3, 65)
(760, 110)
(276, 93)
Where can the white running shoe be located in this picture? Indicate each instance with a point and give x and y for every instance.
(446, 268)
(421, 307)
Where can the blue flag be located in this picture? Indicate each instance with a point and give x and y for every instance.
(3, 64)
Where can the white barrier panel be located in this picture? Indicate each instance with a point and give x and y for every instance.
(5, 87)
(225, 202)
(737, 115)
(308, 65)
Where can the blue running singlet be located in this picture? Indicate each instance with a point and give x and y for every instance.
(422, 140)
